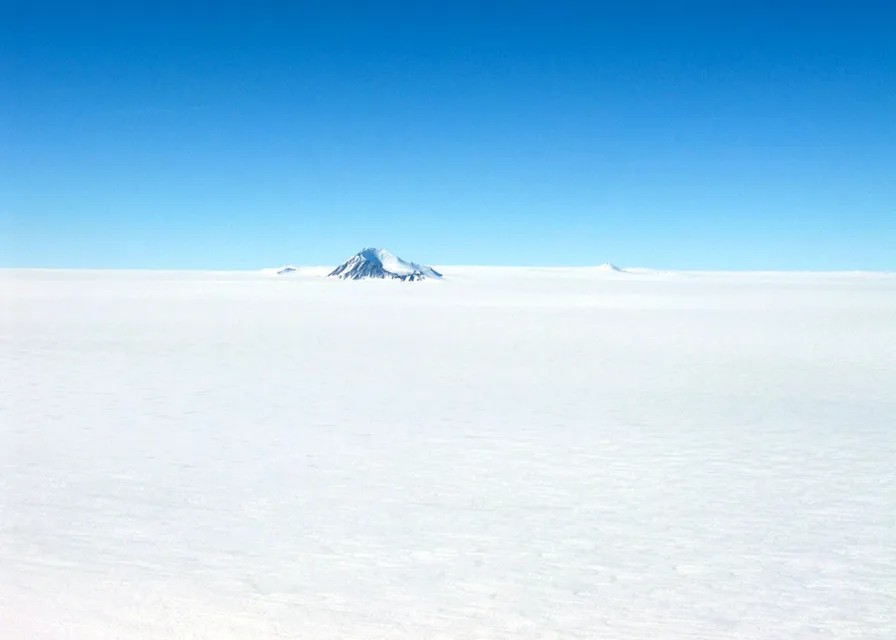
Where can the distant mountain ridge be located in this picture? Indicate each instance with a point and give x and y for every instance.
(372, 263)
(281, 271)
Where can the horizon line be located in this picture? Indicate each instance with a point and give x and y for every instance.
(622, 270)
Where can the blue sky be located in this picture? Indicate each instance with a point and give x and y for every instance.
(691, 135)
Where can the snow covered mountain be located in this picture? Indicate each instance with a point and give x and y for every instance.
(609, 266)
(381, 264)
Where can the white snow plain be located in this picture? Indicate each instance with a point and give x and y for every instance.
(508, 453)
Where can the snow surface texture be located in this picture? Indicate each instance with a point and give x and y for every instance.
(514, 454)
(380, 264)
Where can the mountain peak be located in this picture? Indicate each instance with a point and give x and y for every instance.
(381, 264)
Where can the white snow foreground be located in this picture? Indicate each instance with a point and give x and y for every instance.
(516, 454)
(381, 264)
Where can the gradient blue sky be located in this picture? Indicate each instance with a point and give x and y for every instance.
(691, 135)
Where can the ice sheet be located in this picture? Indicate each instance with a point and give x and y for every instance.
(508, 453)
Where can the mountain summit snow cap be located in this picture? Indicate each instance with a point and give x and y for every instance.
(381, 264)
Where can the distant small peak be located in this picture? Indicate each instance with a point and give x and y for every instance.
(281, 271)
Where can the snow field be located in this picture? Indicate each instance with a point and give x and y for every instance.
(507, 453)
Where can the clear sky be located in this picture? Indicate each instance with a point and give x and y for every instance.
(691, 135)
